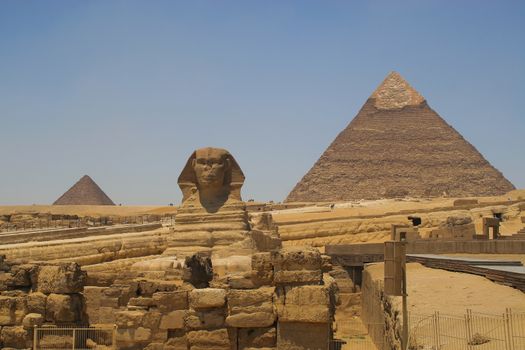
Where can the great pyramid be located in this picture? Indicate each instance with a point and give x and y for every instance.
(84, 192)
(398, 146)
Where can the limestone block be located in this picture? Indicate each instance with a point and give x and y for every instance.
(151, 319)
(31, 320)
(173, 320)
(154, 346)
(241, 281)
(4, 265)
(302, 336)
(228, 237)
(107, 315)
(133, 337)
(326, 263)
(207, 298)
(7, 311)
(122, 290)
(213, 340)
(308, 304)
(298, 277)
(12, 309)
(129, 319)
(20, 276)
(63, 307)
(231, 265)
(15, 337)
(266, 240)
(147, 287)
(4, 281)
(169, 301)
(205, 319)
(262, 269)
(93, 297)
(36, 303)
(196, 238)
(250, 308)
(61, 278)
(141, 301)
(257, 338)
(177, 342)
(159, 264)
(292, 259)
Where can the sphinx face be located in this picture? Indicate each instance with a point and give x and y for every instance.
(210, 167)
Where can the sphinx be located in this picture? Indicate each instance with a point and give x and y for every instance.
(212, 217)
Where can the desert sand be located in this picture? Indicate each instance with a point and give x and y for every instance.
(431, 290)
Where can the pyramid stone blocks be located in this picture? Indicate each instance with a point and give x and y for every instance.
(398, 146)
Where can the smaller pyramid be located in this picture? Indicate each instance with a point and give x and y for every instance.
(84, 192)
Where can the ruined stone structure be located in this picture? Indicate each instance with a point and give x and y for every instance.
(456, 228)
(398, 146)
(33, 294)
(84, 192)
(218, 279)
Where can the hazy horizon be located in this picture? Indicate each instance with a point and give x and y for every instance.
(124, 91)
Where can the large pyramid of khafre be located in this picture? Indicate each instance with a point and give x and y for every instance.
(398, 146)
(84, 192)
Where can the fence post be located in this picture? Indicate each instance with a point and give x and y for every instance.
(509, 331)
(74, 338)
(438, 345)
(468, 326)
(35, 337)
(114, 338)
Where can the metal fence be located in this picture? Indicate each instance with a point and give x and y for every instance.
(72, 338)
(471, 331)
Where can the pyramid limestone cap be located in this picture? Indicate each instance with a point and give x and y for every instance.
(395, 93)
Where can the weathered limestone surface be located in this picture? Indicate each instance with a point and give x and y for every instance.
(305, 304)
(251, 308)
(62, 278)
(36, 294)
(207, 298)
(297, 266)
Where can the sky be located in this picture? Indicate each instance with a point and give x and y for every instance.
(124, 91)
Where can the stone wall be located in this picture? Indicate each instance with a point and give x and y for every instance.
(286, 301)
(37, 294)
(380, 314)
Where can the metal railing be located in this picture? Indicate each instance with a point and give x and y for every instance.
(74, 338)
(472, 331)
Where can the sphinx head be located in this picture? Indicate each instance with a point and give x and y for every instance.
(212, 175)
(211, 165)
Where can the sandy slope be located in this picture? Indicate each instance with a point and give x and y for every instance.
(448, 292)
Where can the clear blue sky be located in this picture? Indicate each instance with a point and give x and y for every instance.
(125, 90)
